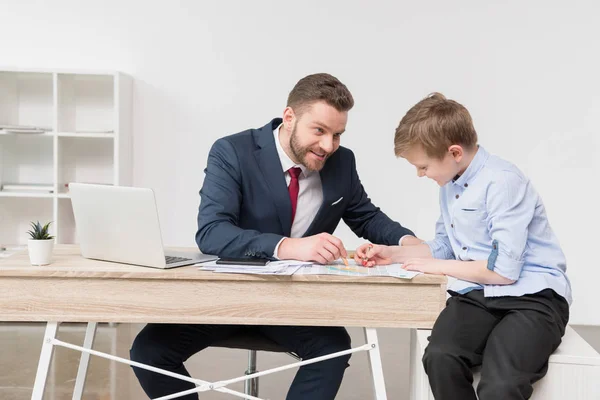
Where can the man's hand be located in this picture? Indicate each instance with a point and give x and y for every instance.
(322, 248)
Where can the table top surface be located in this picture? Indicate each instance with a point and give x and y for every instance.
(67, 262)
(76, 289)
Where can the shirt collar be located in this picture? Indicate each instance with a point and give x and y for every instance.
(286, 161)
(474, 167)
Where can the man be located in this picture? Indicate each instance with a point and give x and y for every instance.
(278, 192)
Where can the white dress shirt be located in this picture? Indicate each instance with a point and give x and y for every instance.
(310, 195)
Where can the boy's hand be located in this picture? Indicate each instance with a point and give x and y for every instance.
(369, 255)
(425, 265)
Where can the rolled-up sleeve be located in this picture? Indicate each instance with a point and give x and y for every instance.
(440, 246)
(510, 205)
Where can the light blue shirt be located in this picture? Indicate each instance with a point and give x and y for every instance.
(492, 212)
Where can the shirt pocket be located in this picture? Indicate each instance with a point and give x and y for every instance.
(471, 223)
(472, 212)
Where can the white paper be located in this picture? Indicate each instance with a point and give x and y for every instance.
(338, 268)
(295, 267)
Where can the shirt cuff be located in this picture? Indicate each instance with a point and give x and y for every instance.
(277, 249)
(408, 236)
(439, 250)
(503, 264)
(508, 268)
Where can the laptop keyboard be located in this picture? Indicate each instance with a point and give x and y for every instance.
(173, 260)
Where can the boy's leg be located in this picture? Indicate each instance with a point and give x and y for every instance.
(517, 351)
(456, 345)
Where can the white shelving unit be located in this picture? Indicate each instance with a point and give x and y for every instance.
(87, 117)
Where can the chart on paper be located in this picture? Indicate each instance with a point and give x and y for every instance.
(338, 268)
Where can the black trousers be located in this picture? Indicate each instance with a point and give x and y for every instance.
(167, 346)
(511, 338)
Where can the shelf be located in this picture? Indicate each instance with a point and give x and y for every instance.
(26, 194)
(63, 134)
(45, 134)
(82, 161)
(87, 119)
(6, 68)
(86, 135)
(26, 159)
(86, 103)
(27, 99)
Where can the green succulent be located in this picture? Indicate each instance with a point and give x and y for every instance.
(39, 232)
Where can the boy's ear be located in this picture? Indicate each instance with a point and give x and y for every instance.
(456, 152)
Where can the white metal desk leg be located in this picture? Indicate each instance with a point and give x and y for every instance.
(44, 363)
(375, 364)
(84, 361)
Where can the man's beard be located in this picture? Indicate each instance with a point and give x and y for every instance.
(300, 153)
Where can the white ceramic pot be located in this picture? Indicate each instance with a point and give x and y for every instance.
(40, 251)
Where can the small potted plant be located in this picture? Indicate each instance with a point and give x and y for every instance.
(41, 244)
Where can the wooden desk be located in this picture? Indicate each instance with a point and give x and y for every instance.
(75, 289)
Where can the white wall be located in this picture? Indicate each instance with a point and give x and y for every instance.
(528, 72)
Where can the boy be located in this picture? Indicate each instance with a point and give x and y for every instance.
(509, 305)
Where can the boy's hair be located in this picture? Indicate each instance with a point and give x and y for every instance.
(435, 123)
(320, 87)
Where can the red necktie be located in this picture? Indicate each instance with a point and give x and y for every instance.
(294, 188)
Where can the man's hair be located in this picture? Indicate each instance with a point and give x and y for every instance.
(435, 123)
(320, 87)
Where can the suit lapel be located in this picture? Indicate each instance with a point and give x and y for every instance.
(270, 166)
(329, 185)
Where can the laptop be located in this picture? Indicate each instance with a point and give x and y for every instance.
(120, 224)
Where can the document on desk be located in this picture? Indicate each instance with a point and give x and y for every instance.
(294, 267)
(284, 268)
(338, 268)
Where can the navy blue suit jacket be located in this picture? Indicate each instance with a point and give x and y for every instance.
(245, 208)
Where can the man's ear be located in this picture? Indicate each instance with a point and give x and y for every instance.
(289, 116)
